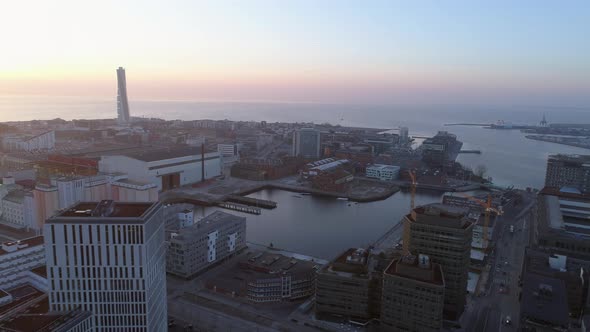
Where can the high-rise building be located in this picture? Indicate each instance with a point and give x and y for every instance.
(404, 134)
(444, 233)
(109, 258)
(306, 143)
(568, 171)
(413, 295)
(122, 101)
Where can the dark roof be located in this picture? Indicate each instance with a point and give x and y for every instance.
(431, 273)
(30, 242)
(164, 153)
(544, 300)
(106, 211)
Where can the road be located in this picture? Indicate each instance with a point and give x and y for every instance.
(488, 312)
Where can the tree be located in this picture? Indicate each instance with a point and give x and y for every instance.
(481, 170)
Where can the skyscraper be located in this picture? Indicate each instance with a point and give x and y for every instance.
(306, 143)
(109, 258)
(122, 101)
(443, 233)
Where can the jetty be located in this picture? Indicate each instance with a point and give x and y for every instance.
(240, 207)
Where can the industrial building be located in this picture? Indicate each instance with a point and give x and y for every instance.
(109, 258)
(382, 172)
(413, 295)
(568, 171)
(193, 249)
(423, 228)
(306, 143)
(168, 168)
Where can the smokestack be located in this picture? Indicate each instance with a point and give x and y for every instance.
(202, 162)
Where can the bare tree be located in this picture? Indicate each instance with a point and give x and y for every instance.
(481, 170)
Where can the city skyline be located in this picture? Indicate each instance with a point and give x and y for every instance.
(530, 52)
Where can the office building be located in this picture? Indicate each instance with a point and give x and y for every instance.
(444, 233)
(267, 276)
(306, 143)
(573, 272)
(18, 259)
(544, 304)
(212, 239)
(382, 172)
(413, 295)
(563, 223)
(168, 168)
(109, 258)
(568, 171)
(123, 116)
(404, 135)
(44, 141)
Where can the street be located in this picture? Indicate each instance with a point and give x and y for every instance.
(490, 311)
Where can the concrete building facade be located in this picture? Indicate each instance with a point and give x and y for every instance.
(193, 249)
(568, 171)
(109, 258)
(444, 233)
(382, 172)
(413, 295)
(306, 143)
(167, 168)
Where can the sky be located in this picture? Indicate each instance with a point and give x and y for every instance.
(521, 52)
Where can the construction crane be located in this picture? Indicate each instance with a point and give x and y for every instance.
(488, 209)
(413, 188)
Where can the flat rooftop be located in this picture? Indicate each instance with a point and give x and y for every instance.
(21, 295)
(209, 222)
(544, 300)
(149, 155)
(410, 268)
(37, 317)
(12, 246)
(105, 211)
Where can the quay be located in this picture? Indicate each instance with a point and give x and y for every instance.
(240, 207)
(251, 201)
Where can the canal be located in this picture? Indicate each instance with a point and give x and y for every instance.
(323, 227)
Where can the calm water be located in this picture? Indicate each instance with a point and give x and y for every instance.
(509, 157)
(324, 227)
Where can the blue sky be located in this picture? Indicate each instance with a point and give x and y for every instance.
(389, 51)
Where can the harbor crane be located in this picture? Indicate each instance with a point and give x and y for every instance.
(488, 209)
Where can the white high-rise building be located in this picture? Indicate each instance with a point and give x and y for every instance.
(109, 258)
(122, 101)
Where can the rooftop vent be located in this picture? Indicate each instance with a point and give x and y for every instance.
(104, 209)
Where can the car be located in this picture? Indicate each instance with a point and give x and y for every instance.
(508, 320)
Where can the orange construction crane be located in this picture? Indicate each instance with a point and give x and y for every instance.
(413, 188)
(488, 209)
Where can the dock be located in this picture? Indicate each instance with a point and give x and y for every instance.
(471, 151)
(240, 207)
(262, 203)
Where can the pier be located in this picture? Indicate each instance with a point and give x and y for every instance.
(252, 201)
(240, 207)
(471, 151)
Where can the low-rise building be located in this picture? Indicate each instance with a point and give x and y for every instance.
(413, 295)
(212, 239)
(267, 276)
(18, 259)
(382, 172)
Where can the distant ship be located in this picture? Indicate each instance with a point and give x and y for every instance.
(441, 149)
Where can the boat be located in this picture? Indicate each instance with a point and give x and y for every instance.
(297, 196)
(342, 199)
(306, 194)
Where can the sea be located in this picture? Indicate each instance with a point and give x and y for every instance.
(324, 227)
